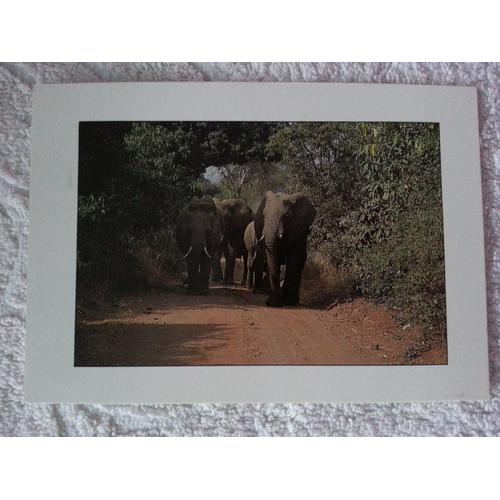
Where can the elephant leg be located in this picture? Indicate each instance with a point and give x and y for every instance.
(230, 262)
(273, 266)
(245, 270)
(266, 284)
(216, 267)
(259, 280)
(293, 273)
(250, 273)
(204, 276)
(192, 279)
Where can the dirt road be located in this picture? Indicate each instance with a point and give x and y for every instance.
(232, 327)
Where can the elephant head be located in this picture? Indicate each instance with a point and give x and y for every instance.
(282, 223)
(198, 233)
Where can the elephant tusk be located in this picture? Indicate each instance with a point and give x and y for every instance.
(254, 255)
(261, 238)
(188, 252)
(206, 252)
(221, 238)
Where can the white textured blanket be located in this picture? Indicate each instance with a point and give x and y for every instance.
(18, 418)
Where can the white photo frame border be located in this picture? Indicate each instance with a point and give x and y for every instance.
(50, 374)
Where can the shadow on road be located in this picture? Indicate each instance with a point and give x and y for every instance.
(146, 344)
(223, 297)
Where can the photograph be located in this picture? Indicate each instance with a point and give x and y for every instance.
(236, 243)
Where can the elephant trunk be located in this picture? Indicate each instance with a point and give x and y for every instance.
(273, 266)
(273, 236)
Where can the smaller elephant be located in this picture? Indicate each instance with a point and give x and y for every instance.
(236, 215)
(256, 263)
(198, 234)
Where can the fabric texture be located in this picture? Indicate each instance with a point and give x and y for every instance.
(20, 419)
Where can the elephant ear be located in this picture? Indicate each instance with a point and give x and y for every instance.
(216, 232)
(259, 217)
(303, 215)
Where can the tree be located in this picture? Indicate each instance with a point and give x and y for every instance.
(235, 177)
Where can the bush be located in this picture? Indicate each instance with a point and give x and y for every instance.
(158, 260)
(377, 191)
(407, 270)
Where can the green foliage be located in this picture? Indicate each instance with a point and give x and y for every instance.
(133, 180)
(163, 172)
(377, 190)
(406, 270)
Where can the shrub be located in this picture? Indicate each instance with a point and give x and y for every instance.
(377, 191)
(407, 270)
(158, 258)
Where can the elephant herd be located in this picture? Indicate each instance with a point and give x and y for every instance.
(275, 235)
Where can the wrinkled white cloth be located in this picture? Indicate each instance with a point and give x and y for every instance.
(18, 418)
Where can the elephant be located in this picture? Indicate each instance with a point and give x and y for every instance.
(217, 254)
(257, 263)
(282, 224)
(236, 215)
(198, 233)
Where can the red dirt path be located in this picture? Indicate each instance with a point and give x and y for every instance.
(232, 327)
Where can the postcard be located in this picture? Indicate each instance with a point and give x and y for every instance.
(219, 242)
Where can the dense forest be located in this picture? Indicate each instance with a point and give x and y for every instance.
(376, 188)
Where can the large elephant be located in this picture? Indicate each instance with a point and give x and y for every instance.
(198, 233)
(257, 262)
(236, 216)
(282, 223)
